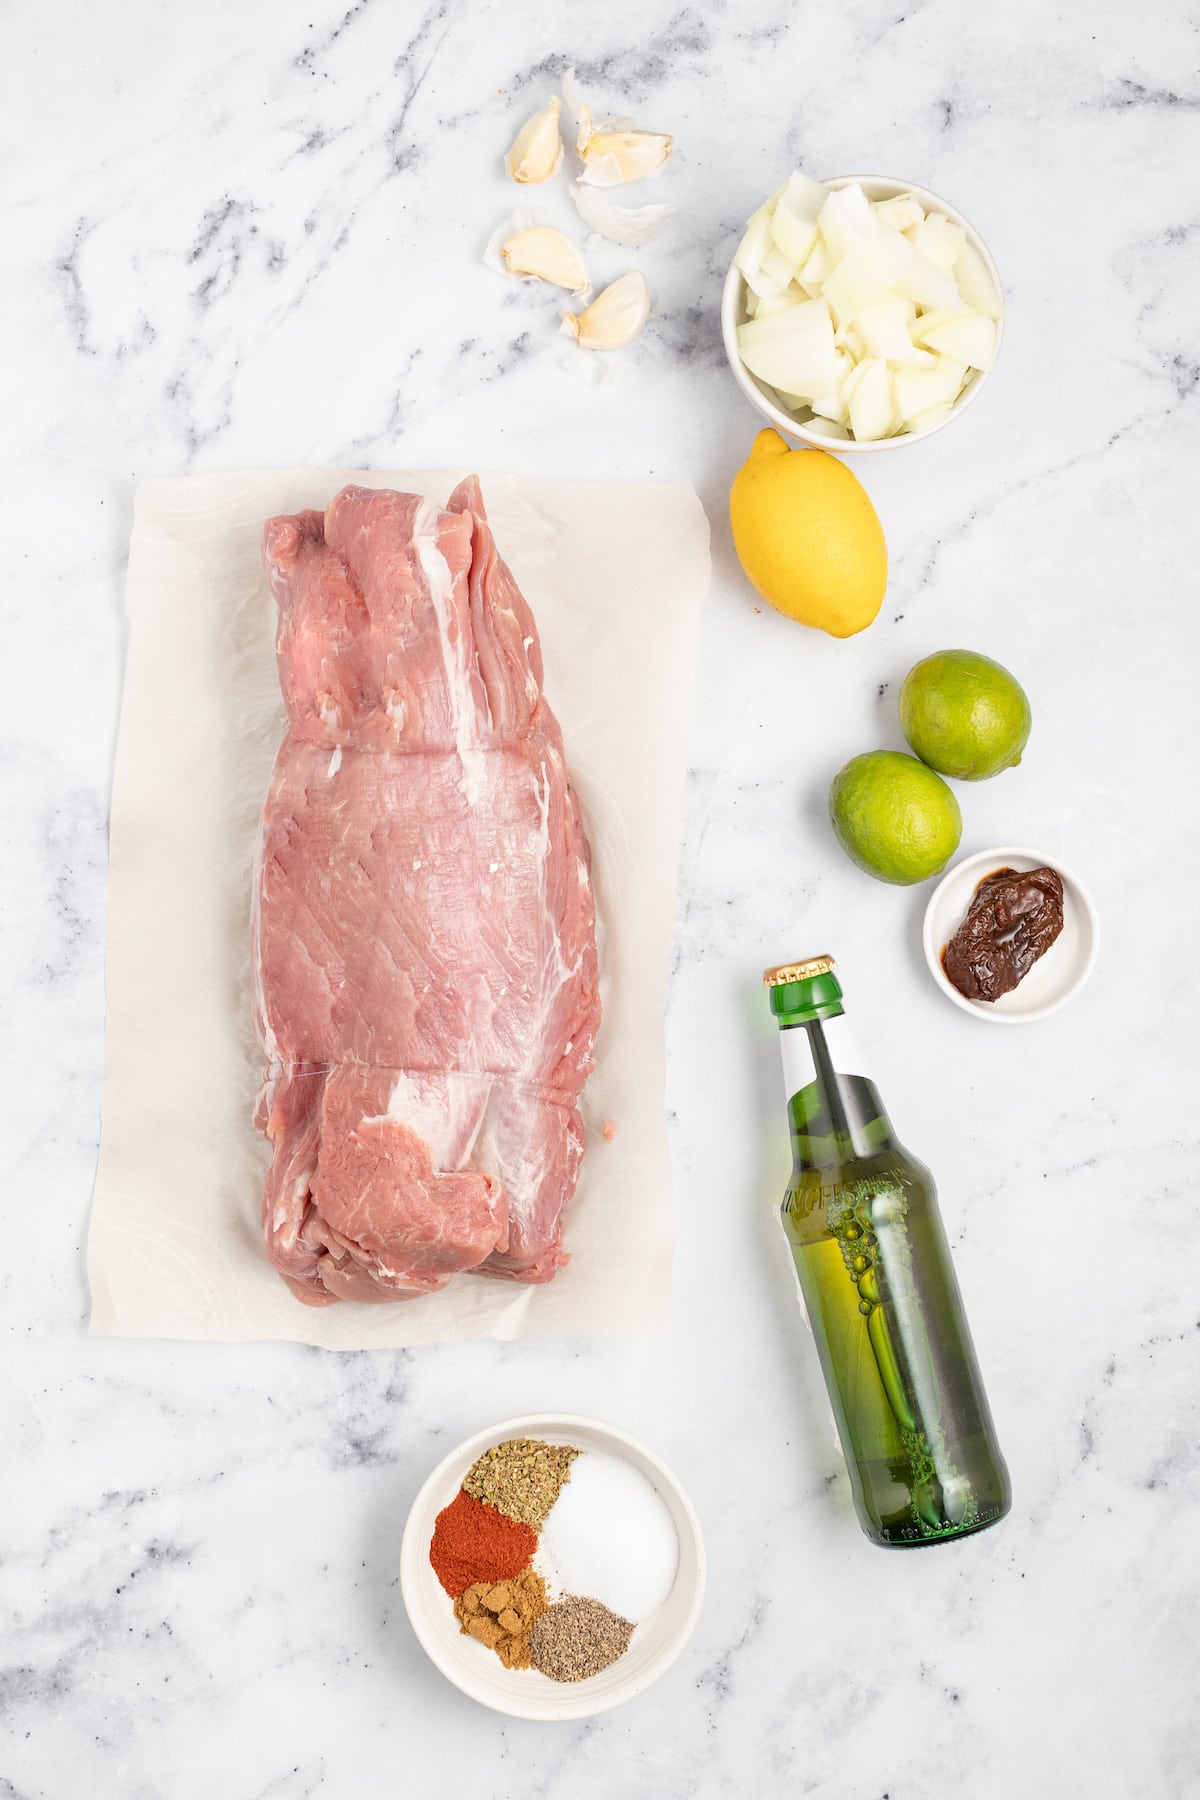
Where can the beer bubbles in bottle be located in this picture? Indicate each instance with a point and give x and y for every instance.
(861, 1217)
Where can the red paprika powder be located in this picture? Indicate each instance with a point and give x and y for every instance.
(473, 1542)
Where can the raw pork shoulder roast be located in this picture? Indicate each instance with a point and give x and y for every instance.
(424, 934)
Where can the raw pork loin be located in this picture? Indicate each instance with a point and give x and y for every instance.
(424, 935)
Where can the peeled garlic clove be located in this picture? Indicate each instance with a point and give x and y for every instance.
(633, 225)
(610, 157)
(537, 148)
(614, 318)
(546, 254)
(522, 220)
(537, 252)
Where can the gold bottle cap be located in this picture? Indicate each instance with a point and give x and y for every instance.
(798, 971)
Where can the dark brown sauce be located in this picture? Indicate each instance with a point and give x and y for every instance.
(1013, 919)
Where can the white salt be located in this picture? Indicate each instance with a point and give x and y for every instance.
(609, 1537)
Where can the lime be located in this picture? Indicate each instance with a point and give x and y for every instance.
(894, 817)
(964, 715)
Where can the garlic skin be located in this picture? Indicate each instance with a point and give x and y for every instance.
(631, 225)
(542, 253)
(592, 371)
(537, 149)
(613, 156)
(614, 318)
(571, 93)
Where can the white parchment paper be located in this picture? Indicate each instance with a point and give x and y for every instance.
(615, 575)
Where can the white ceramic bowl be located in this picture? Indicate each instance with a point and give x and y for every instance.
(733, 314)
(525, 1693)
(1055, 977)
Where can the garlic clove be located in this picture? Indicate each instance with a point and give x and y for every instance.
(611, 157)
(526, 247)
(542, 253)
(537, 148)
(632, 225)
(614, 318)
(523, 219)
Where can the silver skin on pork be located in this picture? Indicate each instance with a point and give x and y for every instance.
(424, 930)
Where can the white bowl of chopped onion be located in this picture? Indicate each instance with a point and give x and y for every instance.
(877, 293)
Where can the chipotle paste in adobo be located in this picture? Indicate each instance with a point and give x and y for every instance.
(1013, 918)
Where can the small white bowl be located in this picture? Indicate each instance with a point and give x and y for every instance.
(733, 314)
(525, 1693)
(1055, 977)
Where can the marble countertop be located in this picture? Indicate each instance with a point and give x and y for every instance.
(247, 236)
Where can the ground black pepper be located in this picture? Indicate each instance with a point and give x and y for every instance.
(577, 1638)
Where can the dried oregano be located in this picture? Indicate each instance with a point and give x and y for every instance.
(522, 1477)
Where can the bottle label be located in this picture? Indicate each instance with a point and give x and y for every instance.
(799, 1069)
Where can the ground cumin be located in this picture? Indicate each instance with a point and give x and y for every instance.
(501, 1615)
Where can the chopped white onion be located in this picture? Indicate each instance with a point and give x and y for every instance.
(938, 239)
(871, 399)
(901, 213)
(756, 241)
(975, 284)
(884, 330)
(866, 317)
(846, 217)
(927, 285)
(831, 428)
(970, 338)
(919, 389)
(935, 415)
(817, 269)
(792, 349)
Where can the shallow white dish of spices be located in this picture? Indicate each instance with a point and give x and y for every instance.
(526, 1693)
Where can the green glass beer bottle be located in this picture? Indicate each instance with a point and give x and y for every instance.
(862, 1220)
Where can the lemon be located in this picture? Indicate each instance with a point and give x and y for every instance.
(808, 537)
(964, 715)
(894, 817)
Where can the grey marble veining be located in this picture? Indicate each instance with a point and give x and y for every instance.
(243, 236)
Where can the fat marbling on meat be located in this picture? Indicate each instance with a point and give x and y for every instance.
(424, 932)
